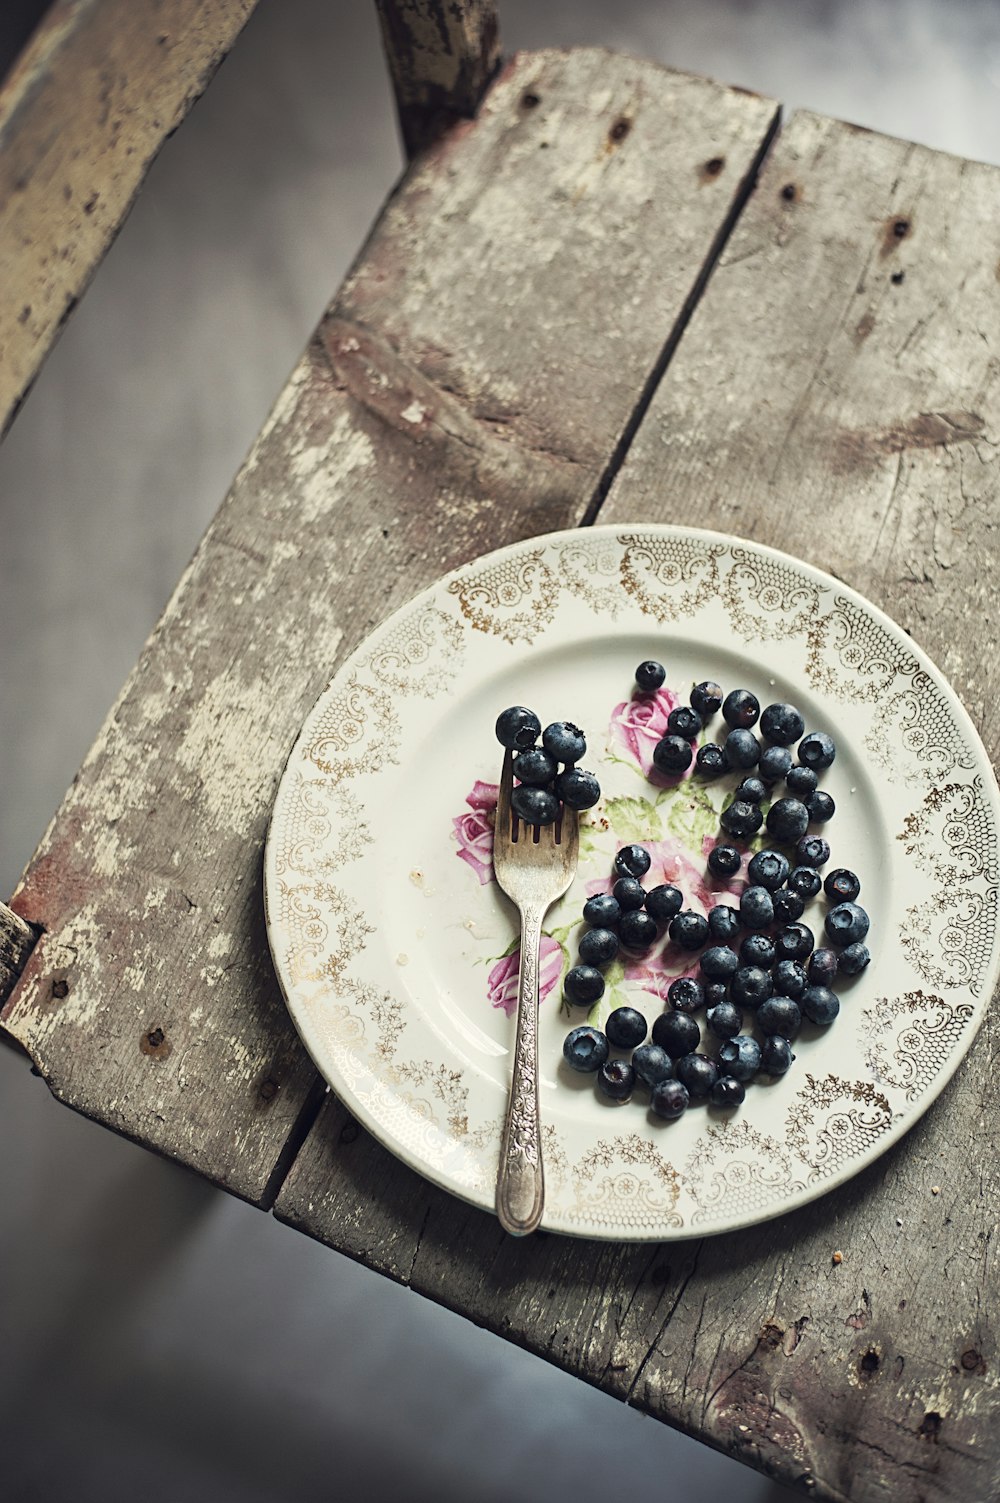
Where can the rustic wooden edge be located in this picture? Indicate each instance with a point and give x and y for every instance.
(415, 428)
(97, 90)
(834, 394)
(442, 55)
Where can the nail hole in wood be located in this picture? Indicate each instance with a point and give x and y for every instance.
(930, 1425)
(155, 1044)
(789, 193)
(620, 129)
(530, 101)
(897, 278)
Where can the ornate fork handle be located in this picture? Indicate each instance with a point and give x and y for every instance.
(520, 1182)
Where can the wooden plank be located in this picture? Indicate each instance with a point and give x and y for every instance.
(419, 430)
(836, 395)
(98, 89)
(441, 57)
(17, 940)
(823, 403)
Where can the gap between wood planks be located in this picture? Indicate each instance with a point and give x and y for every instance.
(624, 444)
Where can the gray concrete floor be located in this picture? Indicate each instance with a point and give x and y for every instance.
(159, 1339)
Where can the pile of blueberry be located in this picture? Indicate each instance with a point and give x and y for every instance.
(774, 971)
(541, 785)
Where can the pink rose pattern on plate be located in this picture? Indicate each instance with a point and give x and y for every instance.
(637, 724)
(502, 980)
(474, 830)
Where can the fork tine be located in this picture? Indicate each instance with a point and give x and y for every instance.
(502, 826)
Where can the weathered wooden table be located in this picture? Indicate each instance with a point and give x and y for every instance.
(617, 293)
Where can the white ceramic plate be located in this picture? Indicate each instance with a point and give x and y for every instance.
(393, 944)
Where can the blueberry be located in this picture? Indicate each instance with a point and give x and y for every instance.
(741, 819)
(752, 790)
(801, 781)
(710, 760)
(793, 942)
(564, 741)
(723, 923)
(782, 724)
(585, 1049)
(724, 1019)
(536, 806)
(776, 1056)
(689, 930)
(758, 949)
(805, 880)
(706, 698)
(672, 754)
(742, 749)
(821, 807)
(602, 911)
(724, 861)
(629, 894)
(650, 675)
(847, 924)
(684, 721)
(632, 861)
(616, 1079)
(775, 763)
(820, 1005)
(740, 709)
(854, 958)
(637, 930)
(715, 992)
(823, 967)
(686, 994)
(788, 906)
(727, 1092)
(668, 1099)
(677, 1033)
(652, 1063)
(841, 885)
(697, 1072)
(719, 962)
(584, 985)
(816, 750)
(625, 1028)
(750, 986)
(788, 819)
(768, 869)
(663, 902)
(740, 1057)
(756, 908)
(535, 767)
(598, 946)
(779, 1015)
(812, 850)
(790, 978)
(577, 789)
(518, 727)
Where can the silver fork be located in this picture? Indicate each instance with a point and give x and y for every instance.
(534, 866)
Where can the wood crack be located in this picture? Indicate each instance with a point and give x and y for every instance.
(654, 1345)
